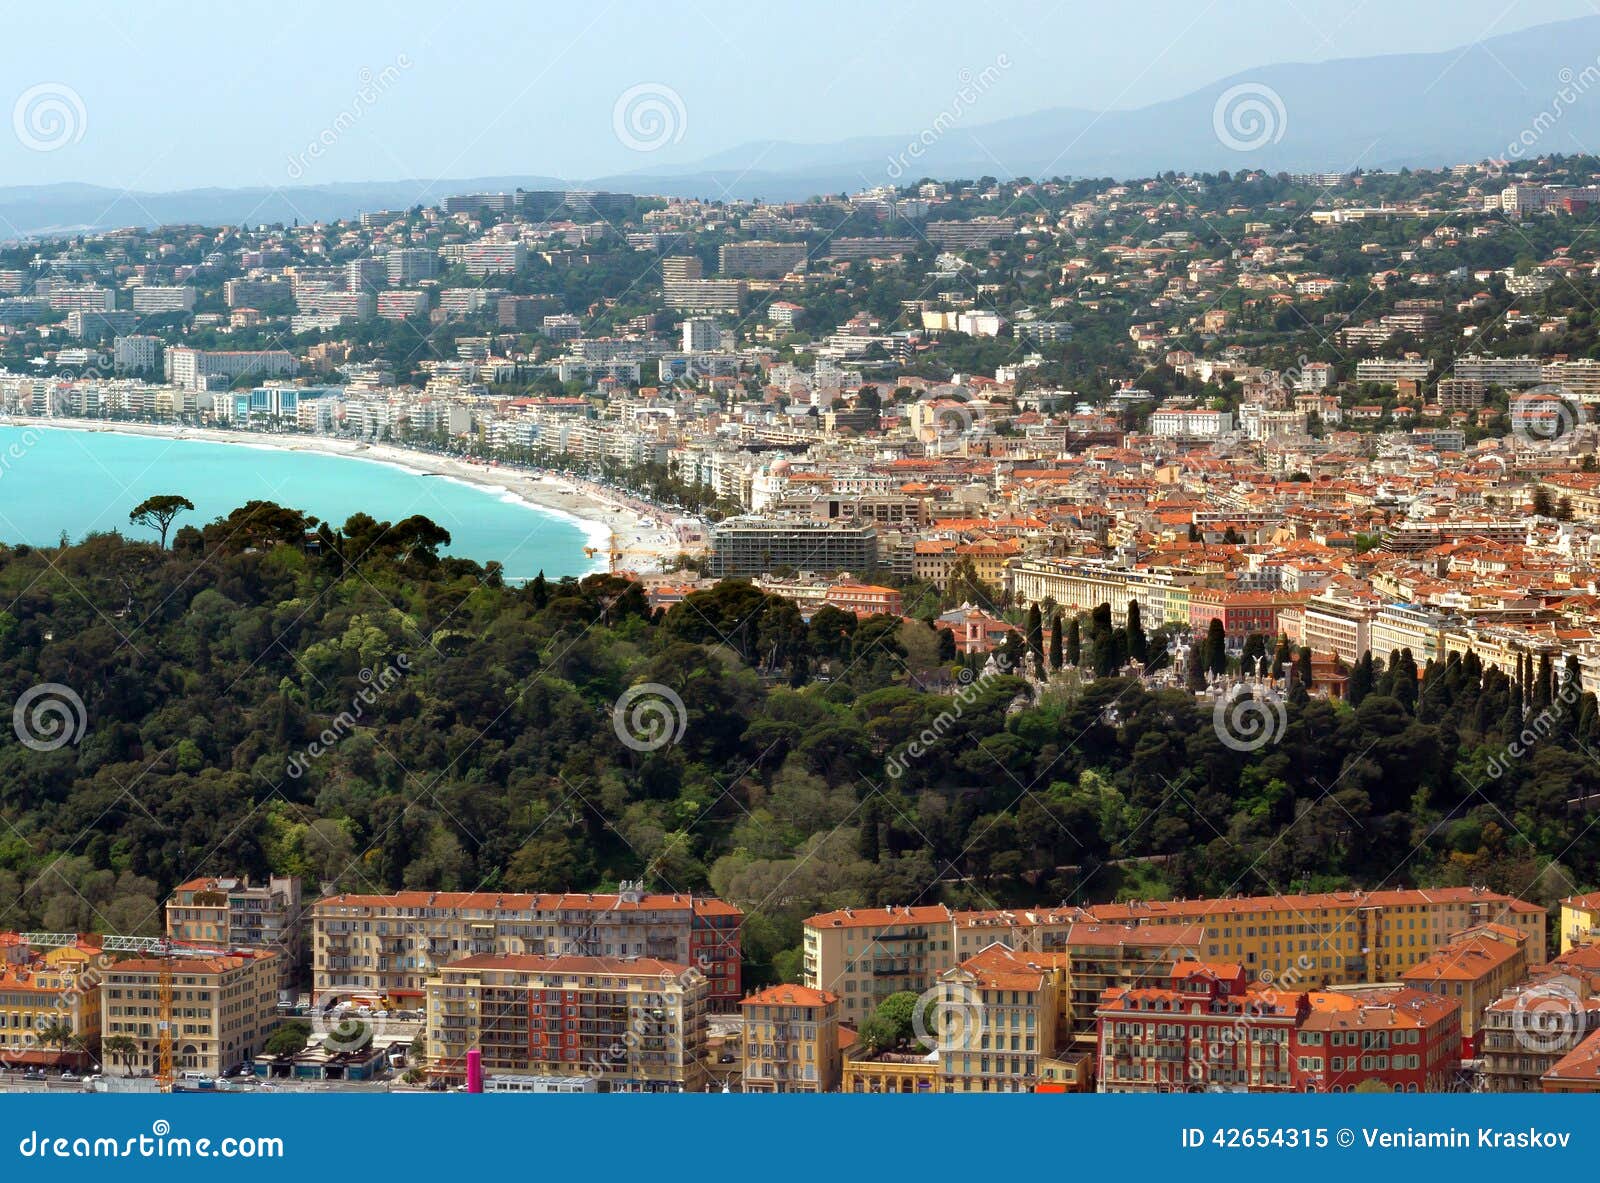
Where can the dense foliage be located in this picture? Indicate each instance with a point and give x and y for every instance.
(276, 695)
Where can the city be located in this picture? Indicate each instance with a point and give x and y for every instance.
(535, 576)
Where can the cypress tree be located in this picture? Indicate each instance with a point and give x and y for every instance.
(1055, 642)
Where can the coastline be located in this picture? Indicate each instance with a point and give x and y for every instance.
(644, 535)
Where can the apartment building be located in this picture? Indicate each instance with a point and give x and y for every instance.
(223, 1007)
(401, 304)
(149, 301)
(635, 1024)
(1093, 957)
(791, 1041)
(1499, 371)
(1328, 938)
(250, 293)
(490, 258)
(1473, 970)
(233, 913)
(978, 232)
(1580, 921)
(1000, 1013)
(407, 264)
(192, 368)
(1392, 371)
(1208, 1026)
(134, 353)
(1401, 1039)
(748, 546)
(760, 259)
(866, 954)
(389, 945)
(1338, 624)
(45, 986)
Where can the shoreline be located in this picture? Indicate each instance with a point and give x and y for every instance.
(643, 534)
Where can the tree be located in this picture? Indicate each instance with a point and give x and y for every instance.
(1055, 643)
(893, 1023)
(1074, 642)
(1216, 651)
(121, 1048)
(1036, 637)
(1138, 644)
(288, 1040)
(58, 1034)
(158, 513)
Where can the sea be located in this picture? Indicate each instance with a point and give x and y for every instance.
(58, 480)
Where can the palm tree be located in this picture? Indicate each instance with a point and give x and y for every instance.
(58, 1034)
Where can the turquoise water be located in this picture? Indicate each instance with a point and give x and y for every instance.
(55, 479)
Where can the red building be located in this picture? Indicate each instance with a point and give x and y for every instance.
(1209, 1029)
(1241, 613)
(1405, 1039)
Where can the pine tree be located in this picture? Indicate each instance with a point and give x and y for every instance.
(1216, 647)
(1360, 680)
(1036, 637)
(1138, 643)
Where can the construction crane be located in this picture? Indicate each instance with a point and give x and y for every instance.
(614, 553)
(162, 950)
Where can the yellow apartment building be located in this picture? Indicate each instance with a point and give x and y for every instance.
(1473, 970)
(866, 954)
(49, 988)
(791, 1041)
(1580, 921)
(1307, 940)
(223, 1008)
(999, 1013)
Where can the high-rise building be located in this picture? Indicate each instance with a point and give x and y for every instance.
(701, 334)
(408, 264)
(635, 1024)
(390, 944)
(759, 259)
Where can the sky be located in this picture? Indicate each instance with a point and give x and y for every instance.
(163, 95)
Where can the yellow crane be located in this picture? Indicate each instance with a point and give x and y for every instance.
(164, 1025)
(614, 553)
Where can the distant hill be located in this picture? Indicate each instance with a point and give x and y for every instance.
(1377, 112)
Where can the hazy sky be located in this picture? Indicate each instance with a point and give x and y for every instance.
(161, 95)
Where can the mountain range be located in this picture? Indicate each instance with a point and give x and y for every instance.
(1515, 96)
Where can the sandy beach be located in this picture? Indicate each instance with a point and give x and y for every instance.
(643, 536)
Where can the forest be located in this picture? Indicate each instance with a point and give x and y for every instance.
(276, 694)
